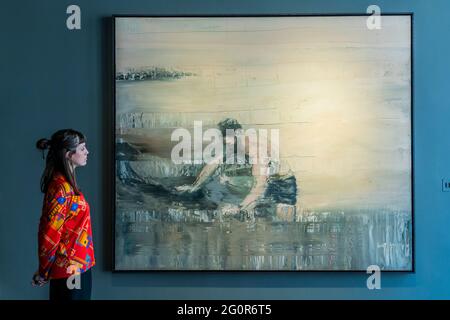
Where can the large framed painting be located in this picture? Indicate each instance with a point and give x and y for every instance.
(263, 143)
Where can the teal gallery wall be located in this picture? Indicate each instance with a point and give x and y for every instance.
(53, 78)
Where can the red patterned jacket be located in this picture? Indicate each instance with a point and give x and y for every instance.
(65, 233)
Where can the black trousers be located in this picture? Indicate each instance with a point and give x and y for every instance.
(59, 290)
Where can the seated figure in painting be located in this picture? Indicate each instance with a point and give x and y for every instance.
(249, 188)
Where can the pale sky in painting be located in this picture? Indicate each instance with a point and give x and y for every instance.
(338, 92)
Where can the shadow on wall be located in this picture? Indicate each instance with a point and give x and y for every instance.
(107, 137)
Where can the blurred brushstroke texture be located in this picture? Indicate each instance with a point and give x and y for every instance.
(339, 94)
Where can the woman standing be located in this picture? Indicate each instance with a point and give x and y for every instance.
(65, 248)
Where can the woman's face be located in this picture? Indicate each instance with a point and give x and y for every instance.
(79, 158)
(229, 139)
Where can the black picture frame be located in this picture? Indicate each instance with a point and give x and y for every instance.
(113, 140)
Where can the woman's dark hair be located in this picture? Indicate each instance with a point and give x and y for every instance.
(233, 124)
(228, 123)
(61, 142)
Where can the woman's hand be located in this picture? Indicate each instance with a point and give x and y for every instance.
(248, 205)
(185, 188)
(37, 280)
(228, 209)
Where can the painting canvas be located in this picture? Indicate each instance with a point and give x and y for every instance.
(272, 143)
